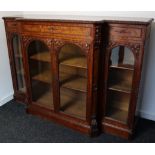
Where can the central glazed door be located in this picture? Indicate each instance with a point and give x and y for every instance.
(72, 80)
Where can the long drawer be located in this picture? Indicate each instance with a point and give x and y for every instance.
(58, 29)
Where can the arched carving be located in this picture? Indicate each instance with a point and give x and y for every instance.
(59, 43)
(28, 39)
(135, 48)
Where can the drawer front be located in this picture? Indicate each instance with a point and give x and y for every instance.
(124, 32)
(11, 25)
(58, 30)
(72, 30)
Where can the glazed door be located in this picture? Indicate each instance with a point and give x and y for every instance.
(72, 80)
(39, 62)
(120, 65)
(18, 63)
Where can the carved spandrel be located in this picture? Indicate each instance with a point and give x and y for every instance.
(28, 39)
(135, 48)
(59, 43)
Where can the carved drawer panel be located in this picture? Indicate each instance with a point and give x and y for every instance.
(58, 30)
(125, 32)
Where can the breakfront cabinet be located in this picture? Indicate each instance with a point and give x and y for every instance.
(84, 74)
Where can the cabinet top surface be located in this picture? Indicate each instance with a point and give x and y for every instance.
(82, 19)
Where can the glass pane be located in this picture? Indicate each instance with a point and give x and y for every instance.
(40, 74)
(18, 63)
(121, 67)
(73, 81)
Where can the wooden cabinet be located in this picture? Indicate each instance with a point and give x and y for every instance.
(82, 74)
(16, 59)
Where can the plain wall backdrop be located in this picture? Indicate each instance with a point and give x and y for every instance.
(147, 105)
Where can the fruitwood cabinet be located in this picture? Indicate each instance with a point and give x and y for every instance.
(84, 74)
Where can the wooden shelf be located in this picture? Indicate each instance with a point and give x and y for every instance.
(119, 103)
(43, 77)
(46, 100)
(42, 56)
(120, 80)
(68, 81)
(117, 114)
(121, 86)
(73, 82)
(118, 106)
(79, 62)
(72, 103)
(122, 66)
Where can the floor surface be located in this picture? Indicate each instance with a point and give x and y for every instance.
(18, 127)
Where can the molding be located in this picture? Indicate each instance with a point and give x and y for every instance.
(146, 115)
(6, 99)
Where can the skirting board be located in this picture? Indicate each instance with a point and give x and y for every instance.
(6, 99)
(149, 116)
